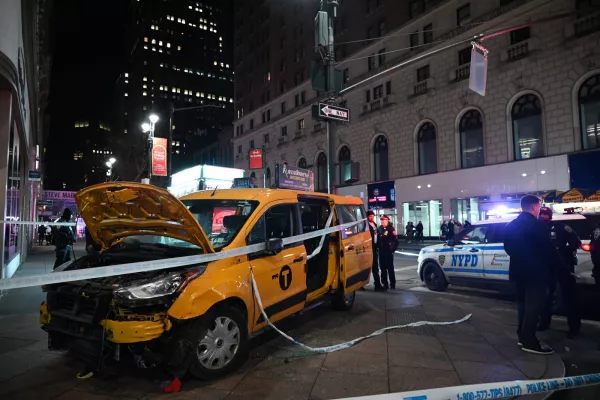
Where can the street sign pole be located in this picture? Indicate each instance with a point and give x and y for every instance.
(331, 13)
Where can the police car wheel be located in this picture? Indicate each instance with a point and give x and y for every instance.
(221, 343)
(434, 277)
(343, 302)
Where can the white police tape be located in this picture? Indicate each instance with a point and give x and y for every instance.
(144, 266)
(345, 345)
(38, 223)
(497, 390)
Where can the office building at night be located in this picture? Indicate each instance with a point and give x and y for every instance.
(181, 57)
(437, 149)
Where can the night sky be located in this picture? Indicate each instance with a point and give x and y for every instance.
(88, 52)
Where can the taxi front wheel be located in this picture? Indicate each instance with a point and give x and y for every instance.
(434, 278)
(222, 343)
(343, 301)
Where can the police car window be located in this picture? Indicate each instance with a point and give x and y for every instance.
(475, 235)
(582, 227)
(495, 233)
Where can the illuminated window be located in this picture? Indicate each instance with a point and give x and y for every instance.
(174, 90)
(126, 95)
(178, 47)
(197, 94)
(168, 44)
(160, 50)
(178, 19)
(153, 41)
(231, 100)
(145, 79)
(144, 94)
(126, 75)
(145, 47)
(145, 39)
(202, 94)
(160, 42)
(215, 63)
(220, 38)
(154, 49)
(145, 86)
(226, 65)
(183, 21)
(126, 81)
(185, 92)
(178, 90)
(166, 88)
(190, 7)
(160, 87)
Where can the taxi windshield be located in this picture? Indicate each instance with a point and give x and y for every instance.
(221, 220)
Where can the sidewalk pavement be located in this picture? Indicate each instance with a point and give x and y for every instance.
(482, 349)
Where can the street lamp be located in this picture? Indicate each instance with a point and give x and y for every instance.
(149, 128)
(109, 164)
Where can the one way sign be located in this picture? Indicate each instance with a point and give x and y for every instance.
(327, 111)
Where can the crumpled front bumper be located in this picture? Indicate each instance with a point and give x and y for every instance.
(135, 331)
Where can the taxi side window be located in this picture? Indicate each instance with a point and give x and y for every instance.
(277, 222)
(476, 235)
(352, 213)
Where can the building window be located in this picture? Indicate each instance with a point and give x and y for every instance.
(252, 144)
(377, 92)
(345, 165)
(283, 107)
(423, 73)
(322, 173)
(380, 159)
(428, 34)
(381, 27)
(471, 139)
(268, 115)
(368, 95)
(301, 123)
(414, 39)
(297, 100)
(345, 75)
(240, 149)
(303, 97)
(520, 35)
(371, 62)
(284, 131)
(381, 57)
(302, 162)
(463, 14)
(464, 56)
(252, 123)
(266, 138)
(416, 7)
(427, 147)
(528, 137)
(589, 113)
(388, 88)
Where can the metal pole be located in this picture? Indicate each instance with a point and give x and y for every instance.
(331, 13)
(170, 146)
(150, 136)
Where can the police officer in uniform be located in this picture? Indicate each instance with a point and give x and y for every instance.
(374, 241)
(388, 243)
(595, 253)
(566, 242)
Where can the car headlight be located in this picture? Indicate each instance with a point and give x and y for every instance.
(161, 287)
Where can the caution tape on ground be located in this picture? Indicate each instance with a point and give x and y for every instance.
(497, 390)
(59, 276)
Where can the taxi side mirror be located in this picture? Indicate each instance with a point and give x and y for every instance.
(274, 245)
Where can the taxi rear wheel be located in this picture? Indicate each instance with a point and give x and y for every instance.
(343, 301)
(221, 344)
(434, 278)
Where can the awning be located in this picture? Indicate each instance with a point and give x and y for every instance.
(573, 196)
(550, 197)
(594, 197)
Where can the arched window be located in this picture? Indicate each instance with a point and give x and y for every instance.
(427, 149)
(380, 158)
(322, 173)
(589, 113)
(268, 178)
(345, 165)
(302, 163)
(471, 139)
(528, 138)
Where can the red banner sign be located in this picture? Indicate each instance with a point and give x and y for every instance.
(159, 156)
(256, 159)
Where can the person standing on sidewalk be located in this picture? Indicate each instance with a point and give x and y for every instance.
(41, 234)
(420, 232)
(374, 239)
(532, 269)
(64, 239)
(388, 243)
(566, 242)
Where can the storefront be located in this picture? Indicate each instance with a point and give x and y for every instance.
(17, 141)
(203, 177)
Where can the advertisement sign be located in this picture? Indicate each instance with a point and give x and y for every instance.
(159, 156)
(218, 215)
(35, 176)
(243, 183)
(287, 177)
(381, 195)
(256, 158)
(49, 195)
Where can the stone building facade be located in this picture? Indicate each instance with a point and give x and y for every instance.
(418, 122)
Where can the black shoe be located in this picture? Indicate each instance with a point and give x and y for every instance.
(379, 289)
(539, 349)
(393, 287)
(385, 288)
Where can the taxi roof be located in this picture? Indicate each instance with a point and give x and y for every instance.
(262, 194)
(555, 217)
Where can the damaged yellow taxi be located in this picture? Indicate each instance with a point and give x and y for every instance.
(198, 318)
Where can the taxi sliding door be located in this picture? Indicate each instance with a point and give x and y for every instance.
(356, 263)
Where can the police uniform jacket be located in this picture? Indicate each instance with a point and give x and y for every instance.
(532, 255)
(566, 242)
(388, 241)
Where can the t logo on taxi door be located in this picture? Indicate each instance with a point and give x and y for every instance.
(465, 260)
(285, 277)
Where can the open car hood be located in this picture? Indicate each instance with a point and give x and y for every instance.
(115, 210)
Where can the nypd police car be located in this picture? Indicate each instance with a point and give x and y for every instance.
(476, 256)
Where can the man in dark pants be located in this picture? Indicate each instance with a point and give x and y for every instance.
(373, 230)
(388, 243)
(533, 265)
(566, 242)
(64, 239)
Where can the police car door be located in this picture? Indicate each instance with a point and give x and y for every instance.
(467, 255)
(496, 260)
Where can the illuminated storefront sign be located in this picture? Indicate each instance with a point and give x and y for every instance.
(159, 156)
(381, 195)
(256, 158)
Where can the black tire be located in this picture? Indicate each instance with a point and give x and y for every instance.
(434, 277)
(343, 302)
(226, 316)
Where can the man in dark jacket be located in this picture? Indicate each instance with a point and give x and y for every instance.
(64, 239)
(420, 231)
(388, 243)
(373, 230)
(532, 269)
(566, 242)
